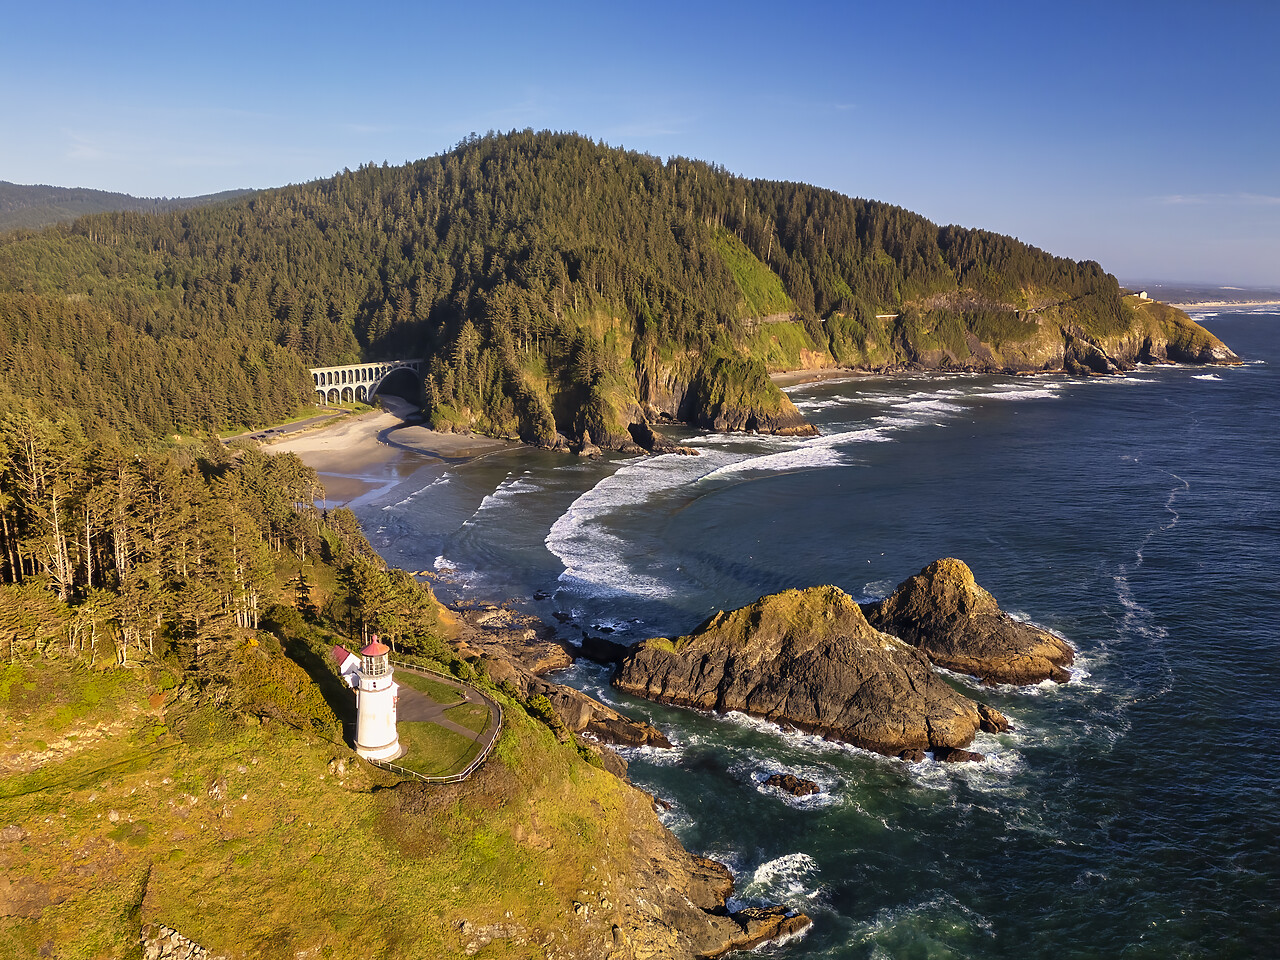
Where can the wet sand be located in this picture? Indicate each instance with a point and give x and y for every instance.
(365, 455)
(791, 378)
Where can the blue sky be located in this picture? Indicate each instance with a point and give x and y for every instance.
(1143, 135)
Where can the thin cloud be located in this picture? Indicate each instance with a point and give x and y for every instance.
(1225, 199)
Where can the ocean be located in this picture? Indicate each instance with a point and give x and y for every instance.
(1132, 812)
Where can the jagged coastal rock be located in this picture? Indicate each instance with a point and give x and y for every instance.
(959, 626)
(790, 783)
(652, 441)
(807, 659)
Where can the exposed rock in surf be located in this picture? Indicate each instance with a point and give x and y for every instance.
(586, 448)
(959, 626)
(953, 755)
(654, 442)
(790, 783)
(600, 650)
(759, 925)
(807, 659)
(992, 720)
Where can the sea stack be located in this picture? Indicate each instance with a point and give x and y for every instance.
(808, 659)
(959, 626)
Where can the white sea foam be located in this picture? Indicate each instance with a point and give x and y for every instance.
(439, 481)
(996, 773)
(1207, 376)
(877, 589)
(597, 561)
(787, 879)
(1024, 393)
(755, 768)
(927, 928)
(502, 496)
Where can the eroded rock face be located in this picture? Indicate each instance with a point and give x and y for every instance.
(807, 659)
(796, 786)
(651, 440)
(959, 626)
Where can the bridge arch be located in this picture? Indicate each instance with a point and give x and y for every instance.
(360, 381)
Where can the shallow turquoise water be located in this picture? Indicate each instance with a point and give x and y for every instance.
(1132, 812)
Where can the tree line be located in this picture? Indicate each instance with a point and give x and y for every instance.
(114, 552)
(526, 267)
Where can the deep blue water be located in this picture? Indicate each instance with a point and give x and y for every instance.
(1132, 812)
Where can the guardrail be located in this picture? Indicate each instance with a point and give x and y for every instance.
(479, 757)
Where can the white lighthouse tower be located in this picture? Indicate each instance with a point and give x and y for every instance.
(376, 696)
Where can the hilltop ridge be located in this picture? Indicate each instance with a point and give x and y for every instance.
(37, 205)
(557, 287)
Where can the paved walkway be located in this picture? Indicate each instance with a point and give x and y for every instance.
(416, 707)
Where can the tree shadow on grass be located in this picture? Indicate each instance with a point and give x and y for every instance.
(303, 646)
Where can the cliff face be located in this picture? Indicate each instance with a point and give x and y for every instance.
(730, 390)
(958, 625)
(808, 659)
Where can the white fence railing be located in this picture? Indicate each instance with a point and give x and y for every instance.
(495, 708)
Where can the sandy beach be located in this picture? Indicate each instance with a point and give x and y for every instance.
(374, 451)
(791, 378)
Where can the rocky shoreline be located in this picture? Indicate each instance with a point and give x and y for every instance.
(687, 896)
(812, 659)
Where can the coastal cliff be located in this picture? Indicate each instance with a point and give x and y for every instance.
(556, 290)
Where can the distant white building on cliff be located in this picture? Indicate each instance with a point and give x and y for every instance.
(377, 694)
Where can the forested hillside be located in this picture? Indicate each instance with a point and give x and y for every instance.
(32, 206)
(557, 286)
(116, 553)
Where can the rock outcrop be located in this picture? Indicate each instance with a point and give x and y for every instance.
(959, 626)
(807, 659)
(652, 441)
(164, 943)
(518, 649)
(790, 783)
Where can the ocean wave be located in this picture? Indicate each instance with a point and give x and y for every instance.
(441, 481)
(599, 563)
(937, 926)
(821, 451)
(503, 495)
(1042, 392)
(789, 879)
(1207, 376)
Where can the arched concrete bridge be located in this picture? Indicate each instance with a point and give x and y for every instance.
(359, 381)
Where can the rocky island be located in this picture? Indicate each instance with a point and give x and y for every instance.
(958, 625)
(816, 660)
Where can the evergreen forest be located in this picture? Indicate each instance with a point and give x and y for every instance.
(554, 284)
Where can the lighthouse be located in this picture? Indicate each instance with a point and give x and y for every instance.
(376, 695)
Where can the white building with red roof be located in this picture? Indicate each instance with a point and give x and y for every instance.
(377, 694)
